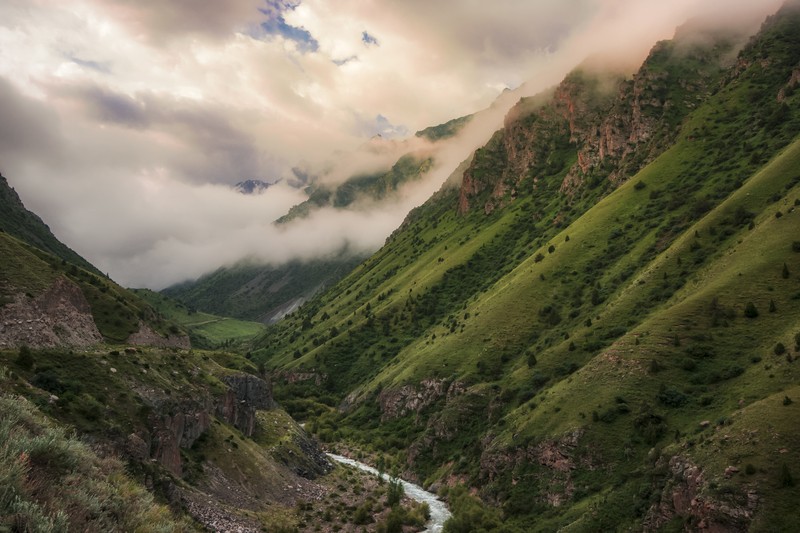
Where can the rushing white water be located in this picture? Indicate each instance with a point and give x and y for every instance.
(439, 511)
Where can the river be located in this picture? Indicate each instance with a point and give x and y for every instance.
(439, 511)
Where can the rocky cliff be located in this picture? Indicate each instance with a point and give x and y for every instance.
(146, 336)
(59, 316)
(596, 127)
(177, 423)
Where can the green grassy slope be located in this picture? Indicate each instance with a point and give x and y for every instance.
(601, 327)
(205, 330)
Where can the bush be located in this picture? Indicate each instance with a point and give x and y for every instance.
(672, 397)
(25, 358)
(779, 349)
(395, 493)
(786, 477)
(750, 310)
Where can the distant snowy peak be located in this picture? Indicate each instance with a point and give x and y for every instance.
(252, 186)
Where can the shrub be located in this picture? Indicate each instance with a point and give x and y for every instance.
(395, 493)
(785, 272)
(672, 397)
(25, 358)
(750, 310)
(780, 349)
(786, 477)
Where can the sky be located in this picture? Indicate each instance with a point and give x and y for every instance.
(124, 123)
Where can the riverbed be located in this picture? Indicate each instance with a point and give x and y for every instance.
(439, 511)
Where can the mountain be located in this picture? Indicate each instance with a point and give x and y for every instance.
(267, 293)
(28, 227)
(261, 293)
(597, 327)
(48, 301)
(376, 187)
(252, 186)
(100, 393)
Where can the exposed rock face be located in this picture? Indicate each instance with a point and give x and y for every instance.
(607, 123)
(289, 376)
(60, 316)
(171, 432)
(177, 424)
(558, 457)
(685, 495)
(246, 395)
(396, 403)
(147, 337)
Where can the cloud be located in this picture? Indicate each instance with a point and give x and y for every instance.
(159, 21)
(125, 121)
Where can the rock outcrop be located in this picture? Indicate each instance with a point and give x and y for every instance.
(246, 395)
(396, 403)
(685, 494)
(61, 316)
(176, 424)
(611, 126)
(146, 336)
(555, 458)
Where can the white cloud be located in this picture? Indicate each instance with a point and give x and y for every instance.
(124, 121)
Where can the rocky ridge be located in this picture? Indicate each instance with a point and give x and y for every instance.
(612, 126)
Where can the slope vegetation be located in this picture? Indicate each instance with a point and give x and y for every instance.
(599, 328)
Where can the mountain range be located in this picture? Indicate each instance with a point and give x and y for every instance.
(596, 326)
(593, 325)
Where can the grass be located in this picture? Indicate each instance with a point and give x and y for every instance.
(613, 314)
(38, 458)
(206, 330)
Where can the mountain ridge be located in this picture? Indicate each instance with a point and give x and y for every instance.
(538, 341)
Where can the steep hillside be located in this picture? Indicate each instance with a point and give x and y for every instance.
(261, 293)
(201, 430)
(205, 330)
(598, 328)
(46, 302)
(28, 227)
